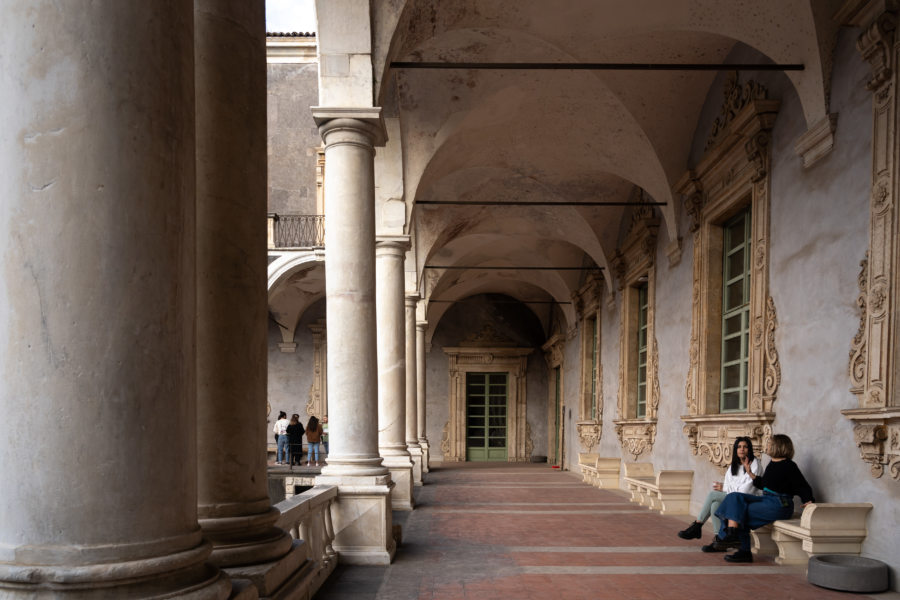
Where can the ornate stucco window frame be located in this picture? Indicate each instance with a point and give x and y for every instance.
(635, 265)
(733, 174)
(318, 390)
(587, 305)
(488, 359)
(554, 354)
(875, 349)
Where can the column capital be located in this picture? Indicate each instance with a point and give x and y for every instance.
(368, 120)
(412, 299)
(392, 242)
(422, 325)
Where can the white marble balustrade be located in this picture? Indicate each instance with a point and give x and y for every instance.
(307, 517)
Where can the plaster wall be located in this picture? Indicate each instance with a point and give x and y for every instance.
(293, 137)
(291, 373)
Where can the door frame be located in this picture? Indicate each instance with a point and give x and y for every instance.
(493, 359)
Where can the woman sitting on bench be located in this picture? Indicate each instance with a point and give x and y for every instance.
(736, 480)
(781, 481)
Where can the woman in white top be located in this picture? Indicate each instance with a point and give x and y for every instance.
(736, 480)
(280, 429)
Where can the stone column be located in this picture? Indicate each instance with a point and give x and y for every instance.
(362, 514)
(233, 501)
(392, 371)
(412, 421)
(98, 458)
(421, 326)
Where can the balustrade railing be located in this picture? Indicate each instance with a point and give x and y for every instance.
(307, 517)
(296, 231)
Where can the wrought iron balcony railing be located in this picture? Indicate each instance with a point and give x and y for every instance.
(296, 231)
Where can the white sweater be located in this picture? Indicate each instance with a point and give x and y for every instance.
(741, 482)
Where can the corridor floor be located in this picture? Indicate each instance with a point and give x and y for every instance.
(504, 531)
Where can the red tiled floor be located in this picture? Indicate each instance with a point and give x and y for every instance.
(482, 532)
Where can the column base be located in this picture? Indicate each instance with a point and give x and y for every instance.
(130, 579)
(401, 469)
(416, 454)
(291, 576)
(362, 520)
(426, 454)
(245, 539)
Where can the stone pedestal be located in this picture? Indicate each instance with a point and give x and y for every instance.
(98, 404)
(421, 326)
(362, 514)
(392, 371)
(233, 502)
(412, 420)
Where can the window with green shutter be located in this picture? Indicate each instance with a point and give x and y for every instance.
(735, 313)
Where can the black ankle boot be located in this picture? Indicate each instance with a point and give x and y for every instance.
(741, 556)
(731, 539)
(694, 531)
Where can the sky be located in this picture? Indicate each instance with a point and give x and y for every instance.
(290, 15)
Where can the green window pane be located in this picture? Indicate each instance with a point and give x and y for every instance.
(731, 401)
(736, 273)
(732, 351)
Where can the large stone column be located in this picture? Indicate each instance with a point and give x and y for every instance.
(412, 421)
(233, 501)
(362, 515)
(392, 371)
(98, 458)
(421, 326)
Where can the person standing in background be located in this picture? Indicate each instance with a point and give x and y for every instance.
(280, 430)
(313, 437)
(325, 433)
(295, 438)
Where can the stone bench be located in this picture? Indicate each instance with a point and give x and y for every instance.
(669, 492)
(599, 471)
(826, 528)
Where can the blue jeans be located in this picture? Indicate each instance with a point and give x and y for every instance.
(752, 512)
(313, 448)
(282, 454)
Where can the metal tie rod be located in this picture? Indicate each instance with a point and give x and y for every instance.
(488, 268)
(536, 203)
(567, 66)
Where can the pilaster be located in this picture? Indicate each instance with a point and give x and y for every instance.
(412, 421)
(421, 328)
(874, 349)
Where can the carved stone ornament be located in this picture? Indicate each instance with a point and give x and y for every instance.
(445, 440)
(874, 352)
(732, 176)
(589, 433)
(877, 435)
(712, 436)
(529, 442)
(736, 98)
(636, 436)
(875, 46)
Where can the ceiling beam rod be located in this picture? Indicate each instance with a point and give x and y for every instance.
(501, 301)
(538, 203)
(487, 268)
(566, 66)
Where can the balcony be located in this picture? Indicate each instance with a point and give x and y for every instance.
(295, 232)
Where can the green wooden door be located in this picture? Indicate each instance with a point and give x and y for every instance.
(486, 401)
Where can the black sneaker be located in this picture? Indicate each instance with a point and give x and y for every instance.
(741, 556)
(694, 531)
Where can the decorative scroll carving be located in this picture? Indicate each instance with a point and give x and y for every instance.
(713, 436)
(874, 351)
(857, 366)
(587, 299)
(636, 436)
(734, 171)
(737, 97)
(637, 267)
(589, 433)
(875, 45)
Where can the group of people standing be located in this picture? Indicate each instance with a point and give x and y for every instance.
(289, 439)
(750, 498)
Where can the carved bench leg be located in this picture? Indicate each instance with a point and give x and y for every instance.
(790, 549)
(762, 541)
